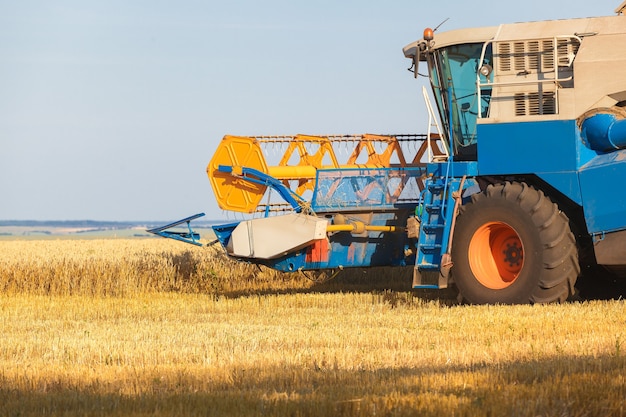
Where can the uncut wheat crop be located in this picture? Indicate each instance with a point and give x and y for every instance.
(121, 267)
(153, 327)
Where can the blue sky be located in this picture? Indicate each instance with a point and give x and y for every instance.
(111, 110)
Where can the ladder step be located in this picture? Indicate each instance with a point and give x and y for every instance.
(432, 228)
(426, 278)
(433, 208)
(425, 287)
(430, 249)
(435, 187)
(432, 232)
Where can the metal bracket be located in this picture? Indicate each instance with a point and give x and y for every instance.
(188, 236)
(597, 237)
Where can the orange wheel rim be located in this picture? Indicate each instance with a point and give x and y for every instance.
(496, 255)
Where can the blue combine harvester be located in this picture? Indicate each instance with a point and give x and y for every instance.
(511, 198)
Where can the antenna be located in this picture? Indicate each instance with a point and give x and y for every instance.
(447, 18)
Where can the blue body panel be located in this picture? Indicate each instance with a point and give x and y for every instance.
(604, 202)
(554, 151)
(565, 182)
(454, 169)
(531, 147)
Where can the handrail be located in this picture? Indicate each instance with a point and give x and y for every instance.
(432, 120)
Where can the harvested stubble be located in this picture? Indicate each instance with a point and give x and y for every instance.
(307, 354)
(302, 353)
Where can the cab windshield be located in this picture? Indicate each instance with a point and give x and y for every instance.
(453, 72)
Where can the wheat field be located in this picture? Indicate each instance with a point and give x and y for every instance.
(153, 327)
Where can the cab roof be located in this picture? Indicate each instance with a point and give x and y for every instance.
(523, 31)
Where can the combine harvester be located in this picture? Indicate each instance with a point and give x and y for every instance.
(508, 196)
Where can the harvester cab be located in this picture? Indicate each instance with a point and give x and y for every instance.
(507, 195)
(454, 71)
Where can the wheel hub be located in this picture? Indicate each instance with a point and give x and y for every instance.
(512, 254)
(496, 255)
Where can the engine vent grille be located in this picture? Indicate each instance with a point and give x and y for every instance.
(534, 55)
(533, 104)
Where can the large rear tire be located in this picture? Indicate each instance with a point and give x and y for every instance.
(512, 245)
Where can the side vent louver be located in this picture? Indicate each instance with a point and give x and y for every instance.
(530, 73)
(534, 55)
(533, 104)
